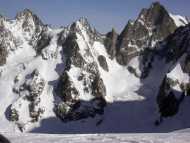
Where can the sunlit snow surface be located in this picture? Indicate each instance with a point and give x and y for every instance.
(179, 20)
(100, 138)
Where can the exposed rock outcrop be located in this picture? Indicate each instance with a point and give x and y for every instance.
(30, 22)
(103, 63)
(152, 25)
(110, 43)
(81, 68)
(29, 98)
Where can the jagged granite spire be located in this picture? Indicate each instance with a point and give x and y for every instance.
(152, 25)
(30, 21)
(110, 42)
(83, 25)
(26, 14)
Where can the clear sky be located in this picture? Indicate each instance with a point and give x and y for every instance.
(102, 14)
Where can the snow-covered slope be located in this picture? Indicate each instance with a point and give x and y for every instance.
(179, 20)
(97, 138)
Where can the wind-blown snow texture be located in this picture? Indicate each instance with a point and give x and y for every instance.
(64, 80)
(106, 138)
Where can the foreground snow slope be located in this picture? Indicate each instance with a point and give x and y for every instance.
(97, 138)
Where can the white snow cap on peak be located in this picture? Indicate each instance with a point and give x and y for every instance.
(179, 20)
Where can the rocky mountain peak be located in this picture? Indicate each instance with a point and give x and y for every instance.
(80, 24)
(155, 15)
(83, 27)
(110, 42)
(83, 21)
(2, 20)
(24, 13)
(152, 25)
(27, 17)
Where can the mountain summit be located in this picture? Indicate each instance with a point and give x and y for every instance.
(152, 25)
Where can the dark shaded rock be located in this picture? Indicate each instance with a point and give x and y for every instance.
(188, 89)
(132, 70)
(67, 90)
(103, 63)
(62, 110)
(176, 44)
(99, 104)
(98, 87)
(146, 60)
(152, 25)
(2, 20)
(80, 110)
(14, 115)
(26, 15)
(169, 105)
(62, 36)
(71, 51)
(3, 55)
(110, 43)
(185, 87)
(43, 41)
(35, 114)
(167, 102)
(72, 107)
(78, 115)
(7, 43)
(3, 139)
(30, 90)
(124, 51)
(186, 65)
(93, 34)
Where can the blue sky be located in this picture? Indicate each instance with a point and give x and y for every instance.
(102, 14)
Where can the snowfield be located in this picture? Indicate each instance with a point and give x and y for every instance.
(97, 138)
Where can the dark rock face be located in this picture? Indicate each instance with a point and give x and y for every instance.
(110, 43)
(3, 55)
(169, 105)
(31, 27)
(98, 88)
(91, 32)
(103, 63)
(128, 40)
(152, 25)
(30, 90)
(7, 43)
(72, 106)
(146, 60)
(3, 139)
(176, 44)
(43, 41)
(158, 18)
(71, 50)
(34, 29)
(14, 115)
(167, 102)
(174, 49)
(27, 26)
(68, 92)
(186, 66)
